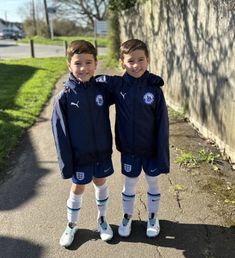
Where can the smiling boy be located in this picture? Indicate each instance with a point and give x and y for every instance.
(141, 131)
(83, 139)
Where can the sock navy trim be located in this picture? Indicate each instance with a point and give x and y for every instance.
(128, 196)
(103, 200)
(155, 195)
(72, 209)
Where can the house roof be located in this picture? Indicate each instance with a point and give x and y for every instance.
(19, 25)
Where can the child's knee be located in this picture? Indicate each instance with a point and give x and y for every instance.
(99, 181)
(77, 189)
(153, 186)
(130, 185)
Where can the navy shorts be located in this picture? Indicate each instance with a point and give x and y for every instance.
(84, 174)
(133, 165)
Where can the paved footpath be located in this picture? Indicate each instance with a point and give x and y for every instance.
(33, 210)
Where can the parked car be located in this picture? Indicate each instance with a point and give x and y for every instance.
(20, 34)
(10, 34)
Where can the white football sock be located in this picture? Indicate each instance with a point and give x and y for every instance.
(128, 194)
(153, 195)
(74, 204)
(101, 195)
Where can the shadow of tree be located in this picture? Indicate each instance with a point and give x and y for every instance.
(13, 43)
(199, 62)
(13, 247)
(193, 53)
(26, 175)
(9, 90)
(10, 86)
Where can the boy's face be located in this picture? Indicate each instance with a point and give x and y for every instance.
(82, 66)
(135, 63)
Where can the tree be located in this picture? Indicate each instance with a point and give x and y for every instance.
(119, 5)
(85, 12)
(47, 17)
(113, 36)
(67, 28)
(115, 7)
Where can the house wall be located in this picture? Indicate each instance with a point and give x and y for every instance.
(192, 46)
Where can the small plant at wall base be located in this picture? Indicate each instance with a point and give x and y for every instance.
(173, 114)
(207, 156)
(187, 159)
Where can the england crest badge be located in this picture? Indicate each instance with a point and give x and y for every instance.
(80, 175)
(127, 167)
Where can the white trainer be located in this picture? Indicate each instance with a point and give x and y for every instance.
(68, 236)
(124, 229)
(106, 232)
(153, 227)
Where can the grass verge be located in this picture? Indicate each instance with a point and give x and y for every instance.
(25, 87)
(101, 41)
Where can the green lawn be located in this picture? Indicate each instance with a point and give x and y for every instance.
(101, 41)
(25, 86)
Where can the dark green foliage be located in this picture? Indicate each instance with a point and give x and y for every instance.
(115, 7)
(119, 5)
(114, 36)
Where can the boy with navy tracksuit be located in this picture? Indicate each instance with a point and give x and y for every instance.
(141, 131)
(83, 139)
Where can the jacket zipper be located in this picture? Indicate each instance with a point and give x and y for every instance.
(133, 118)
(91, 119)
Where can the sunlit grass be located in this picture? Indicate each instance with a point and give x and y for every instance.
(25, 87)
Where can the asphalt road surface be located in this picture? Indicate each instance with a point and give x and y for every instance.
(33, 209)
(10, 49)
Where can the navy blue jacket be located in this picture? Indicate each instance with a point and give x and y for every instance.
(81, 125)
(141, 127)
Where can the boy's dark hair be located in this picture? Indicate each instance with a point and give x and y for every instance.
(81, 47)
(132, 45)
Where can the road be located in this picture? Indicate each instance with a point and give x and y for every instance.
(10, 49)
(33, 208)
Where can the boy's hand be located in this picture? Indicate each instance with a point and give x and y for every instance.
(155, 80)
(101, 78)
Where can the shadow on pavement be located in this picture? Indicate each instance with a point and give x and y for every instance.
(21, 185)
(11, 122)
(82, 236)
(196, 240)
(8, 45)
(12, 247)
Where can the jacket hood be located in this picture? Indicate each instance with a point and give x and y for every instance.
(72, 82)
(151, 79)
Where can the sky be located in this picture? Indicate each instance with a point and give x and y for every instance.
(9, 10)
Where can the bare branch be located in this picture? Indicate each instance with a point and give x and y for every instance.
(86, 10)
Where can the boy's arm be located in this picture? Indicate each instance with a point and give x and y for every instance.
(61, 137)
(107, 80)
(111, 99)
(162, 135)
(156, 80)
